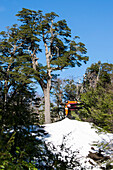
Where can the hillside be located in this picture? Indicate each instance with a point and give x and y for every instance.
(82, 141)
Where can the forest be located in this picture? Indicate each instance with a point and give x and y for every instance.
(23, 69)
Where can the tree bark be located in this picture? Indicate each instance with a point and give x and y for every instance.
(47, 103)
(48, 85)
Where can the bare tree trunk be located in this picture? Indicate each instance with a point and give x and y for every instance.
(47, 102)
(48, 86)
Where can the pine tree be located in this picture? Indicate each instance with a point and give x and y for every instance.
(98, 95)
(16, 96)
(18, 147)
(60, 50)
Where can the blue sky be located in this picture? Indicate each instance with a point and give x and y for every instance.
(92, 20)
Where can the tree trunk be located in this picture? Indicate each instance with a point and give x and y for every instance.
(48, 85)
(47, 103)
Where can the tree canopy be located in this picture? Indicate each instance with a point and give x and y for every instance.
(60, 49)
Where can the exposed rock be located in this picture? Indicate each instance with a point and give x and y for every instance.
(98, 156)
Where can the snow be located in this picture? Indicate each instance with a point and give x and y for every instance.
(78, 137)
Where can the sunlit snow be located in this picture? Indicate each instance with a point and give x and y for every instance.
(80, 137)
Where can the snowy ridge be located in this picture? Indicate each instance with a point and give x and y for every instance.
(79, 137)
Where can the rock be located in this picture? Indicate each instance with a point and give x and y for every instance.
(97, 156)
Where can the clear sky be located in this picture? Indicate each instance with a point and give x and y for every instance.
(91, 20)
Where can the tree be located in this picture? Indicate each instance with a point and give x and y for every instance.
(98, 95)
(20, 144)
(60, 50)
(16, 96)
(92, 75)
(99, 101)
(14, 63)
(58, 91)
(98, 73)
(57, 97)
(70, 90)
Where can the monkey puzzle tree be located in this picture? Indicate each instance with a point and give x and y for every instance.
(60, 50)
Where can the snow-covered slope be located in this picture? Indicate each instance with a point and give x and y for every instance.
(69, 136)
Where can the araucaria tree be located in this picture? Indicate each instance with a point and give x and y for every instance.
(60, 50)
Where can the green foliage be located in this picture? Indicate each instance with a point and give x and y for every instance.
(17, 145)
(101, 106)
(61, 50)
(58, 91)
(70, 90)
(16, 104)
(37, 28)
(99, 74)
(99, 98)
(19, 47)
(19, 148)
(63, 90)
(75, 115)
(12, 156)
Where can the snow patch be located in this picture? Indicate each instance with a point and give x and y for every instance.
(78, 137)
